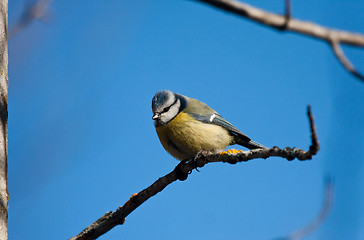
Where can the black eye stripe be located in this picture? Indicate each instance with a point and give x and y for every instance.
(166, 109)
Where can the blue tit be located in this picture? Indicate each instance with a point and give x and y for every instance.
(186, 126)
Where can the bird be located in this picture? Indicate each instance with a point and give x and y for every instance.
(186, 126)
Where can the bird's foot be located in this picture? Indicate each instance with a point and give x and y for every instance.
(231, 151)
(200, 155)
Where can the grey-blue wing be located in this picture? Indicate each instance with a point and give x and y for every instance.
(239, 137)
(218, 120)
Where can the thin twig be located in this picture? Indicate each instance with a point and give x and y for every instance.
(288, 14)
(287, 23)
(114, 218)
(288, 9)
(340, 55)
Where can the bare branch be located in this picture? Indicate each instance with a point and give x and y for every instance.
(287, 23)
(114, 218)
(316, 223)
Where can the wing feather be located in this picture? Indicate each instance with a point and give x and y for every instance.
(216, 119)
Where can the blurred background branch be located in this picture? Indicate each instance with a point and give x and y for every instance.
(287, 23)
(317, 222)
(33, 10)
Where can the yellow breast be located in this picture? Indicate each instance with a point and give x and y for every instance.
(184, 137)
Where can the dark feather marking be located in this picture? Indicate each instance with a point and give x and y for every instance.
(171, 143)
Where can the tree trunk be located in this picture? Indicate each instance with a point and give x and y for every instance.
(4, 196)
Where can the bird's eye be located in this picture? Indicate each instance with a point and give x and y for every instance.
(166, 109)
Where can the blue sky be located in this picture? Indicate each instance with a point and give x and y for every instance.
(81, 138)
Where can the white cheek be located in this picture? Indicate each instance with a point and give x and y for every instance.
(165, 117)
(173, 111)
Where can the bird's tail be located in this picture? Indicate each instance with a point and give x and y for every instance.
(249, 144)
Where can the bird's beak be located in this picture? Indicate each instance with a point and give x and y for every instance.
(155, 116)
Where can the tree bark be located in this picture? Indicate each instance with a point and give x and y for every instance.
(4, 196)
